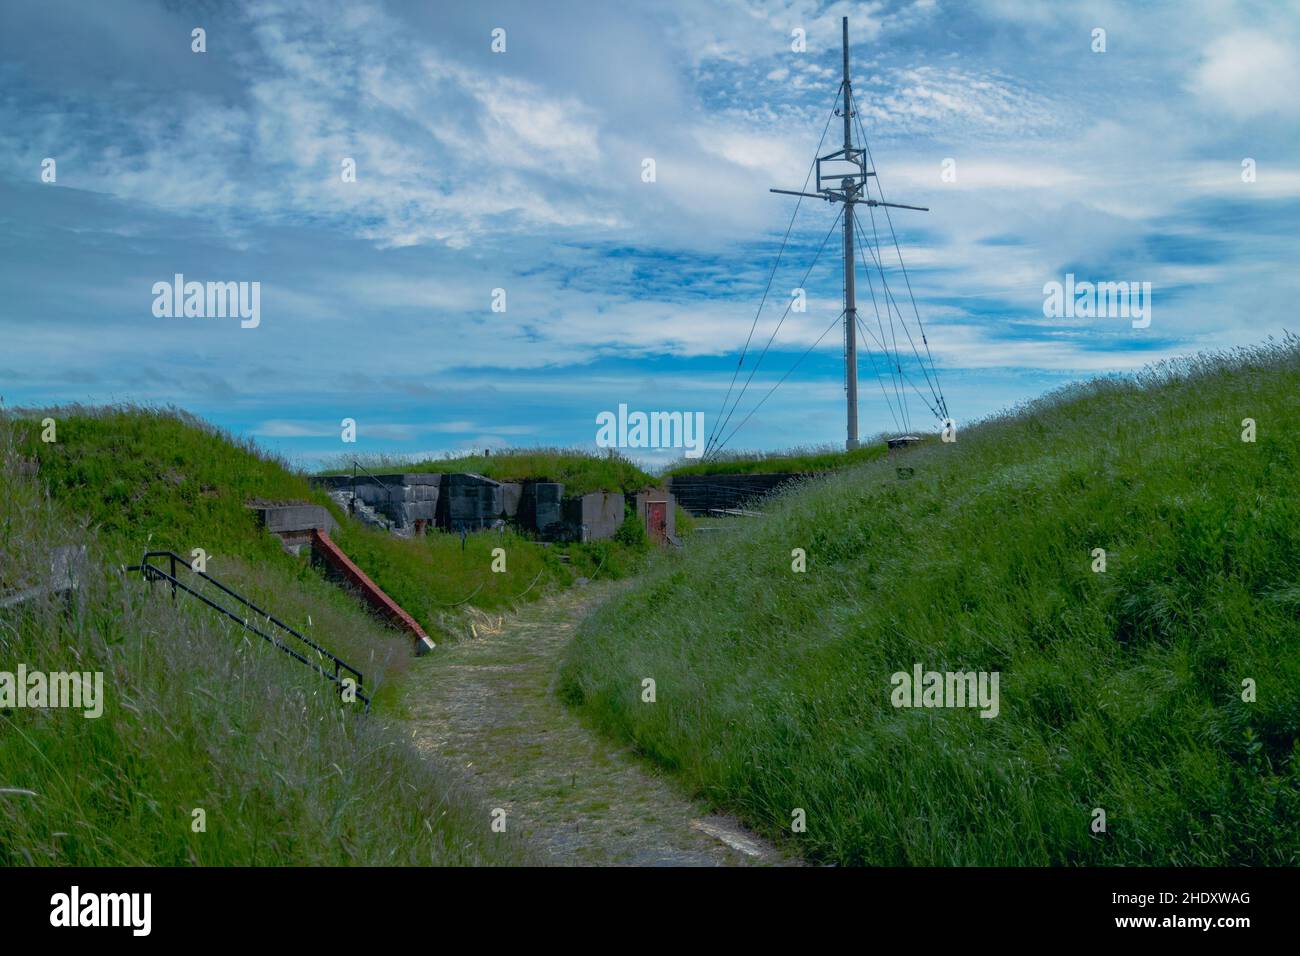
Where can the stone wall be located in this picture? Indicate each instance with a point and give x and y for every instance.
(455, 502)
(469, 502)
(511, 494)
(698, 494)
(402, 498)
(593, 517)
(540, 506)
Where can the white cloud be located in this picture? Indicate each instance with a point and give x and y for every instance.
(1249, 73)
(279, 428)
(520, 174)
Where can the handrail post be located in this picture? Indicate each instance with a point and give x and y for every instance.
(152, 573)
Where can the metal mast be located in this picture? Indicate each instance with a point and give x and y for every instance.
(848, 165)
(850, 300)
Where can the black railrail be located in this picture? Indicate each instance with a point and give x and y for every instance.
(383, 484)
(154, 573)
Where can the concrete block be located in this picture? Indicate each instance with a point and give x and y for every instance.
(593, 517)
(376, 495)
(409, 512)
(539, 506)
(282, 519)
(468, 501)
(412, 478)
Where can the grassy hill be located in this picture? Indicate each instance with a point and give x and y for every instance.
(161, 479)
(198, 716)
(1120, 690)
(580, 472)
(802, 461)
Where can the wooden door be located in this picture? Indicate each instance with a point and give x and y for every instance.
(657, 518)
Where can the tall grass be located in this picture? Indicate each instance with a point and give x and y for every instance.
(432, 576)
(1120, 691)
(159, 478)
(198, 716)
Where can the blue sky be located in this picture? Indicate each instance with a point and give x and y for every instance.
(522, 170)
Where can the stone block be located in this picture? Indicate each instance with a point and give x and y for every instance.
(282, 519)
(539, 506)
(468, 502)
(593, 517)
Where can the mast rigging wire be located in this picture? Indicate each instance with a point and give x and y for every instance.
(834, 322)
(772, 275)
(770, 338)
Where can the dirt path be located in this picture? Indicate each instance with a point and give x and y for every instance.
(486, 706)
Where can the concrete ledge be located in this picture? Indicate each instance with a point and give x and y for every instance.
(290, 519)
(411, 478)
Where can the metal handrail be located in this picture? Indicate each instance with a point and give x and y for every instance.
(151, 572)
(383, 484)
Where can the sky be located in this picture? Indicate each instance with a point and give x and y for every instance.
(1168, 158)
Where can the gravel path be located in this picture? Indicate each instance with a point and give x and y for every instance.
(486, 706)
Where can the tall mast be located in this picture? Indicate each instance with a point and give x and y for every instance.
(845, 181)
(850, 303)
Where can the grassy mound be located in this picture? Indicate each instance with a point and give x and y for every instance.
(580, 472)
(198, 717)
(1120, 690)
(800, 461)
(155, 479)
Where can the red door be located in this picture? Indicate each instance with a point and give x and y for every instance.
(657, 518)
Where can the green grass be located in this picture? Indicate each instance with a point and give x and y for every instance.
(151, 479)
(199, 715)
(580, 472)
(432, 576)
(160, 479)
(802, 461)
(1119, 690)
